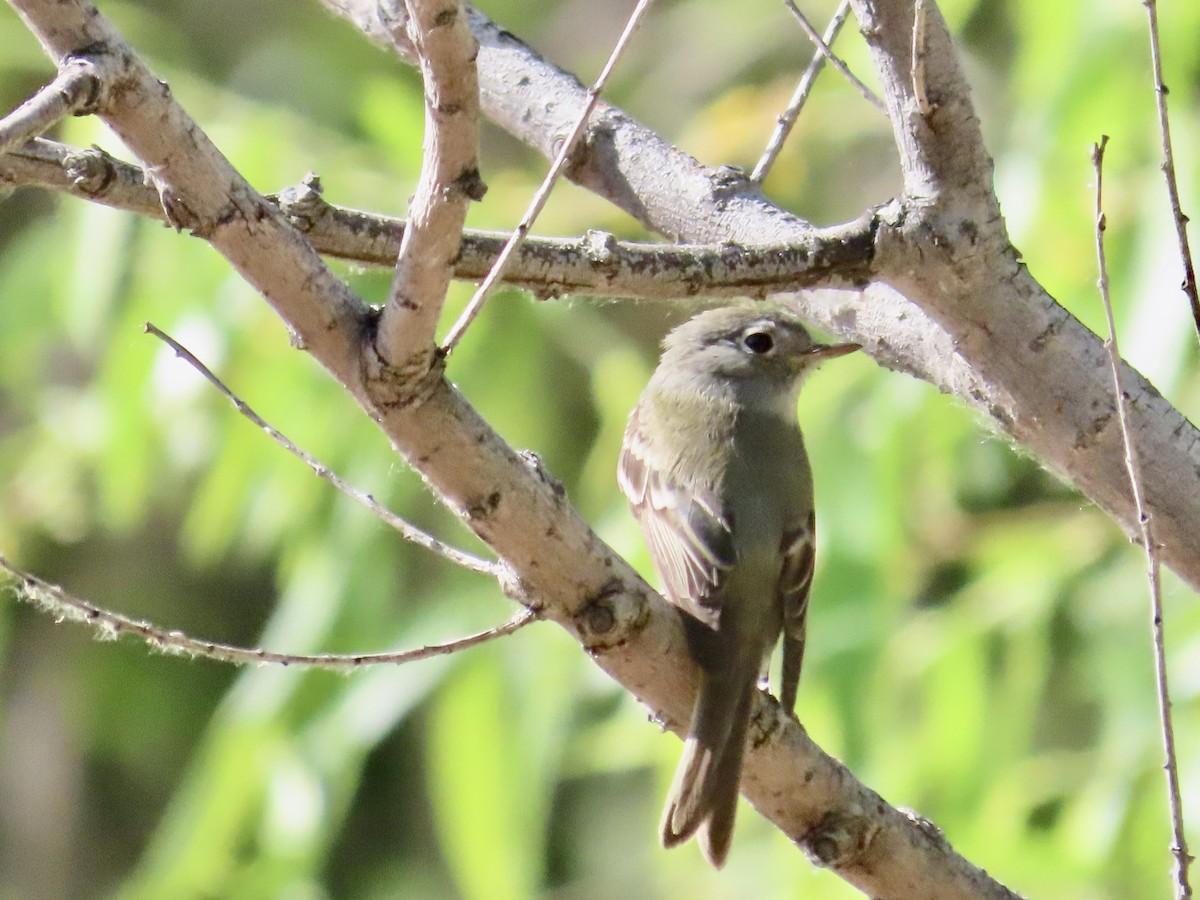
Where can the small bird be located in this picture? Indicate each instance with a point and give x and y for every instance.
(714, 468)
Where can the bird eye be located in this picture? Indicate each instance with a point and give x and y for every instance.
(758, 342)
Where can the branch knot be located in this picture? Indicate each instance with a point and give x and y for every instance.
(840, 839)
(410, 382)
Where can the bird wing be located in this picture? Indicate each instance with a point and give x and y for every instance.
(689, 535)
(795, 579)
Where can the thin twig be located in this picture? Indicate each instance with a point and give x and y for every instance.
(1145, 521)
(408, 530)
(73, 90)
(110, 625)
(823, 48)
(1168, 169)
(787, 121)
(918, 59)
(543, 193)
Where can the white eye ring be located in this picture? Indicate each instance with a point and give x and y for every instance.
(759, 341)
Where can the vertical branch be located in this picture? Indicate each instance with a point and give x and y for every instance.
(1168, 168)
(449, 181)
(943, 158)
(918, 59)
(1146, 522)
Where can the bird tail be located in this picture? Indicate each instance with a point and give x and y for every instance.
(704, 793)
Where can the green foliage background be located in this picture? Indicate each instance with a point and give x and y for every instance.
(979, 645)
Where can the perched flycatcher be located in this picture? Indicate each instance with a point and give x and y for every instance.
(713, 465)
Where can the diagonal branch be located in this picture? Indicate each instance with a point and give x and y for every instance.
(824, 51)
(407, 530)
(449, 181)
(1042, 375)
(621, 160)
(73, 91)
(201, 192)
(787, 121)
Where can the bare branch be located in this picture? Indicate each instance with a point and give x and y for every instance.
(201, 192)
(1036, 371)
(110, 625)
(448, 183)
(787, 121)
(543, 192)
(599, 265)
(595, 265)
(87, 174)
(509, 501)
(620, 159)
(822, 46)
(1179, 849)
(918, 59)
(407, 530)
(952, 302)
(1002, 333)
(73, 91)
(938, 154)
(1168, 168)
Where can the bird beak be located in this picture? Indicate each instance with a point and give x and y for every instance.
(832, 351)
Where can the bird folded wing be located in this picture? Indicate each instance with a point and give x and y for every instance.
(689, 535)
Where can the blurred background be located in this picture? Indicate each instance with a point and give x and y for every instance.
(979, 644)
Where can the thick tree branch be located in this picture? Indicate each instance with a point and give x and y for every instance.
(620, 160)
(1042, 375)
(948, 279)
(555, 562)
(200, 191)
(448, 183)
(942, 156)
